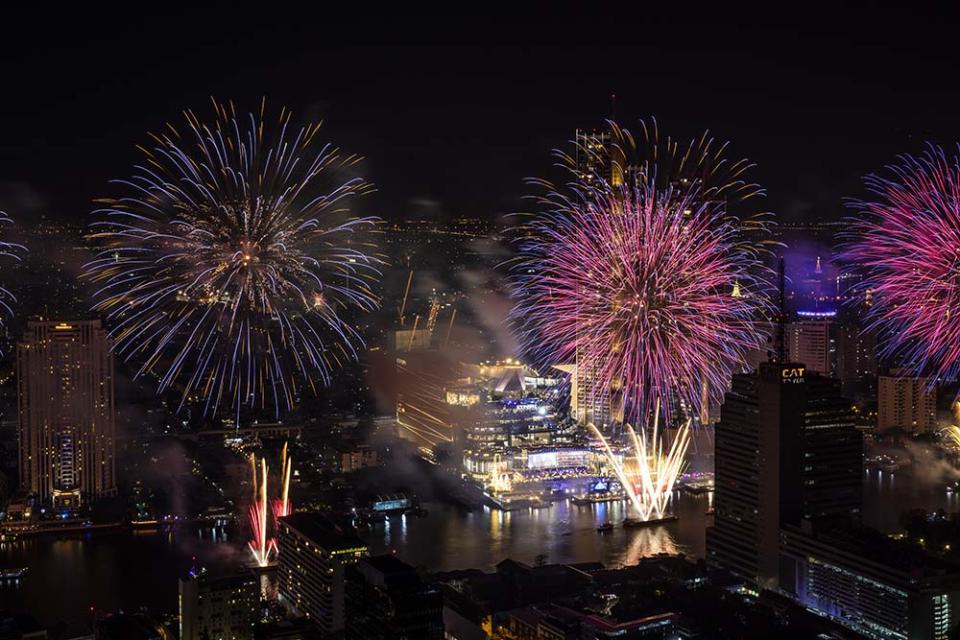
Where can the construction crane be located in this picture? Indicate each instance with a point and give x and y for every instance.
(450, 328)
(406, 292)
(432, 315)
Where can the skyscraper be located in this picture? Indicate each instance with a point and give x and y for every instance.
(810, 340)
(787, 451)
(591, 401)
(906, 402)
(219, 606)
(65, 412)
(598, 158)
(314, 556)
(856, 359)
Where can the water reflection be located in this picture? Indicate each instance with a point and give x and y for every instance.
(75, 578)
(128, 570)
(452, 539)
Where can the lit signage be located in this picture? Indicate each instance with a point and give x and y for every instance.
(792, 375)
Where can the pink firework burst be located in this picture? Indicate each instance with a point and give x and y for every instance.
(907, 242)
(643, 276)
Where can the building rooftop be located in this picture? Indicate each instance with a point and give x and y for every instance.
(322, 532)
(388, 564)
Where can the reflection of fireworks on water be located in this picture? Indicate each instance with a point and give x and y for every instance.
(649, 542)
(262, 546)
(649, 475)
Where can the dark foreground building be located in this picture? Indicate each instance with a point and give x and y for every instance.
(788, 493)
(314, 556)
(387, 600)
(786, 450)
(874, 585)
(219, 606)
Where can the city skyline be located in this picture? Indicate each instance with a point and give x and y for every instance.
(548, 326)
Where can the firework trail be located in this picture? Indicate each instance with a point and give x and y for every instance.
(649, 475)
(227, 268)
(634, 272)
(907, 242)
(282, 505)
(261, 545)
(8, 250)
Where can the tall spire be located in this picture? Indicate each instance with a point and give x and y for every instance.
(780, 344)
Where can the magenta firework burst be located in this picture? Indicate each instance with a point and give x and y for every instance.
(637, 270)
(230, 265)
(906, 239)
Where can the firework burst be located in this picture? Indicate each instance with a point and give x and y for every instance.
(650, 473)
(229, 267)
(641, 273)
(13, 251)
(907, 241)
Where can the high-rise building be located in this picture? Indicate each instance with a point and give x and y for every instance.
(590, 401)
(880, 588)
(906, 402)
(599, 156)
(856, 359)
(314, 556)
(387, 600)
(810, 340)
(65, 412)
(788, 467)
(224, 607)
(786, 450)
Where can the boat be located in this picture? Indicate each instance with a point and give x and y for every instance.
(697, 489)
(13, 573)
(595, 498)
(606, 527)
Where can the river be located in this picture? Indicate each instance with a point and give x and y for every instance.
(74, 578)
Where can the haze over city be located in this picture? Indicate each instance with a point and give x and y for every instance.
(541, 325)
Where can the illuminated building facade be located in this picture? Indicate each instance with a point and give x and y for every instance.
(590, 401)
(66, 412)
(509, 422)
(313, 558)
(786, 451)
(219, 607)
(598, 156)
(810, 340)
(906, 402)
(873, 585)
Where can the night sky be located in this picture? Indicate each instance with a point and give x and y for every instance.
(452, 113)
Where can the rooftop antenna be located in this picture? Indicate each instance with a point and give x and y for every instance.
(613, 107)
